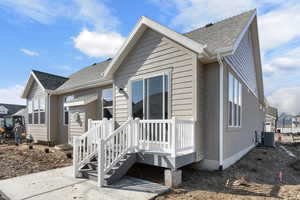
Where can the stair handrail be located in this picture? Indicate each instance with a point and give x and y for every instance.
(113, 148)
(86, 145)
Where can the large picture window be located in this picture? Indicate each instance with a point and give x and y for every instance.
(150, 97)
(107, 103)
(234, 101)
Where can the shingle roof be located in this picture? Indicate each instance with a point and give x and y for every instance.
(221, 34)
(12, 109)
(85, 75)
(49, 81)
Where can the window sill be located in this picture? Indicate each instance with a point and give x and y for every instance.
(234, 128)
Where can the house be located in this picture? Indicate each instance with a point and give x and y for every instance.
(271, 118)
(7, 110)
(166, 99)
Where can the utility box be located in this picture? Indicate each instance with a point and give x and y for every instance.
(268, 139)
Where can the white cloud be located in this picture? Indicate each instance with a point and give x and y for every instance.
(103, 40)
(12, 95)
(42, 11)
(97, 14)
(98, 44)
(286, 100)
(279, 26)
(29, 52)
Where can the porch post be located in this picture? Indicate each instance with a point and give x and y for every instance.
(75, 156)
(173, 138)
(101, 160)
(89, 124)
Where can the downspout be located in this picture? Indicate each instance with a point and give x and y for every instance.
(49, 117)
(221, 105)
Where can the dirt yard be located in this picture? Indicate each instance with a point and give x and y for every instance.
(256, 176)
(18, 161)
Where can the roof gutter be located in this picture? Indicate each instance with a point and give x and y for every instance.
(81, 87)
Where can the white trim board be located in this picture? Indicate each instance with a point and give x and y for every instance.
(234, 158)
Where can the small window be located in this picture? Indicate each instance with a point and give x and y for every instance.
(36, 111)
(66, 109)
(107, 103)
(234, 101)
(30, 111)
(42, 107)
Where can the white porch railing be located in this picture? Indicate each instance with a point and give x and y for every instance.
(85, 146)
(289, 130)
(174, 137)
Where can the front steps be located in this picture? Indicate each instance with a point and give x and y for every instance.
(90, 170)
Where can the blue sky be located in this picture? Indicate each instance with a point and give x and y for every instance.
(62, 36)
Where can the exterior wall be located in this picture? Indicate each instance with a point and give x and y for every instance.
(77, 127)
(91, 111)
(38, 131)
(212, 111)
(54, 122)
(153, 55)
(239, 139)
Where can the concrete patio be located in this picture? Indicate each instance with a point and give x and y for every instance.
(59, 184)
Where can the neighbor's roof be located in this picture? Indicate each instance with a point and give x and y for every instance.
(49, 81)
(221, 34)
(85, 76)
(12, 108)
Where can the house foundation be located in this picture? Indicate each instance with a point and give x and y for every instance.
(173, 178)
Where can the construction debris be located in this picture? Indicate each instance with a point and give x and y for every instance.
(21, 160)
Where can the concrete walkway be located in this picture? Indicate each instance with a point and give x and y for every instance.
(58, 184)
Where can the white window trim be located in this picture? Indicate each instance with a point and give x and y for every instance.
(166, 72)
(64, 109)
(112, 107)
(240, 102)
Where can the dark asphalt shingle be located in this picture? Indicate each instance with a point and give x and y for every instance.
(85, 75)
(49, 81)
(221, 34)
(12, 109)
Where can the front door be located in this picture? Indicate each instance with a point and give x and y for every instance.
(149, 97)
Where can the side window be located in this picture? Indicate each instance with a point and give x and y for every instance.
(42, 110)
(30, 111)
(234, 101)
(66, 109)
(36, 111)
(107, 103)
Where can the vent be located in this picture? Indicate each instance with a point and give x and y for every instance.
(208, 25)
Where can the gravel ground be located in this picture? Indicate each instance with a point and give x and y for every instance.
(18, 161)
(256, 176)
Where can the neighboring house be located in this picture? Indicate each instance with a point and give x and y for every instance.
(271, 118)
(7, 110)
(199, 97)
(285, 121)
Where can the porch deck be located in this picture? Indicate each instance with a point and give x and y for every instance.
(166, 143)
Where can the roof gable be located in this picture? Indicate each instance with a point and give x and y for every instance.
(138, 31)
(45, 80)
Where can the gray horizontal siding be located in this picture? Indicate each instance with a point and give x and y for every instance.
(38, 132)
(243, 62)
(154, 54)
